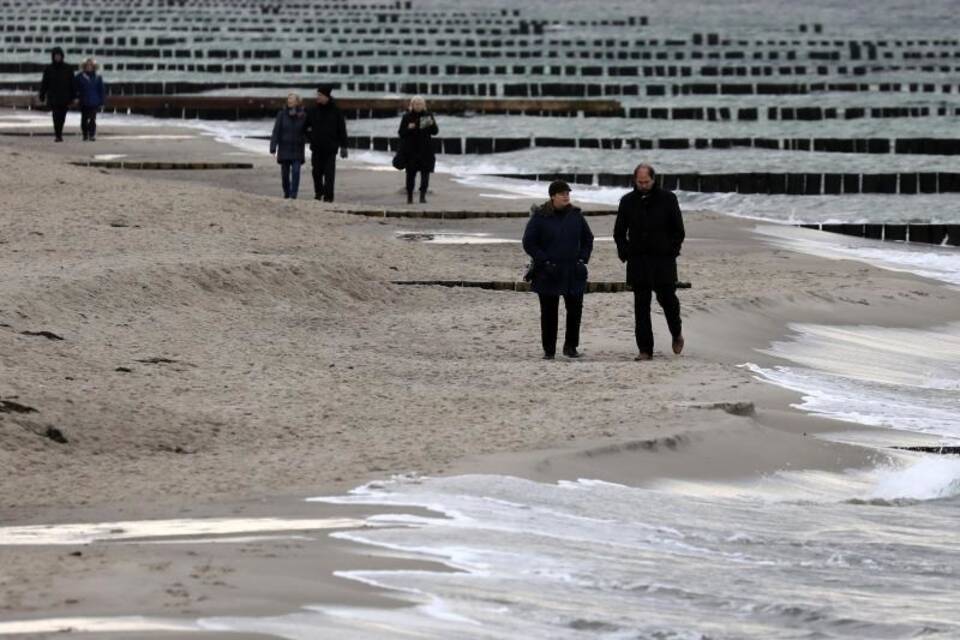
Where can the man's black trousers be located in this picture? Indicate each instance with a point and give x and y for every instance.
(324, 174)
(667, 297)
(59, 117)
(549, 312)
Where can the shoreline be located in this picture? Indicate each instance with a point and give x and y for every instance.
(257, 272)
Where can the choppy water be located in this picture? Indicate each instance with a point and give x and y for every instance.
(867, 554)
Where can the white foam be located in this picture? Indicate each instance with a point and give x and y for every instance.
(929, 261)
(929, 478)
(127, 624)
(906, 379)
(85, 533)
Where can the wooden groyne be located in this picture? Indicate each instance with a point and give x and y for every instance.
(252, 107)
(510, 285)
(796, 184)
(938, 234)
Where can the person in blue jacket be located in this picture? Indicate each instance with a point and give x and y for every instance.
(287, 142)
(560, 242)
(91, 94)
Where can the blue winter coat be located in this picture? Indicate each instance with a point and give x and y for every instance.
(90, 90)
(560, 243)
(288, 139)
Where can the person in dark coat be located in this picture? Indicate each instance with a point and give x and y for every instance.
(57, 90)
(560, 242)
(649, 233)
(326, 130)
(287, 142)
(417, 127)
(91, 93)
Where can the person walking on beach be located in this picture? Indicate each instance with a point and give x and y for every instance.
(57, 90)
(287, 142)
(417, 128)
(326, 129)
(560, 242)
(648, 233)
(91, 94)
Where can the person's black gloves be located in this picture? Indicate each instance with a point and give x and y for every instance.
(550, 267)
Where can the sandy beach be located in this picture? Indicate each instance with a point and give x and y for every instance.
(214, 350)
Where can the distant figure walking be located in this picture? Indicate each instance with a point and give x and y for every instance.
(560, 242)
(287, 142)
(417, 127)
(326, 129)
(57, 90)
(649, 233)
(91, 93)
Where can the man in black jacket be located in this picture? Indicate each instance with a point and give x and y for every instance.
(649, 233)
(326, 129)
(57, 90)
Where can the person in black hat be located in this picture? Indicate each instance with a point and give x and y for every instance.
(649, 233)
(57, 90)
(560, 242)
(326, 129)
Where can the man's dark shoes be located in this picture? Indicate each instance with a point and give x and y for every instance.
(678, 345)
(409, 198)
(643, 355)
(571, 352)
(58, 139)
(548, 356)
(423, 198)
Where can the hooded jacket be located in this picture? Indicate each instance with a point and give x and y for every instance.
(56, 87)
(326, 129)
(560, 243)
(649, 233)
(90, 89)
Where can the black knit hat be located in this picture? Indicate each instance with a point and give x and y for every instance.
(325, 89)
(558, 186)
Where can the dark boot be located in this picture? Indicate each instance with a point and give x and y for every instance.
(423, 198)
(409, 197)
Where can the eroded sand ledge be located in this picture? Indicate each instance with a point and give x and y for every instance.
(222, 347)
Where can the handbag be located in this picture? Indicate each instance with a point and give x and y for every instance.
(400, 160)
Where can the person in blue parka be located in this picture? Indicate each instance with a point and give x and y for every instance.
(560, 242)
(287, 142)
(91, 95)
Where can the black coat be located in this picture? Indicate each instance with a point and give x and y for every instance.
(287, 139)
(649, 233)
(416, 144)
(326, 129)
(57, 88)
(560, 243)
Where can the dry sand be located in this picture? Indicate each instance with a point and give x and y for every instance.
(226, 351)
